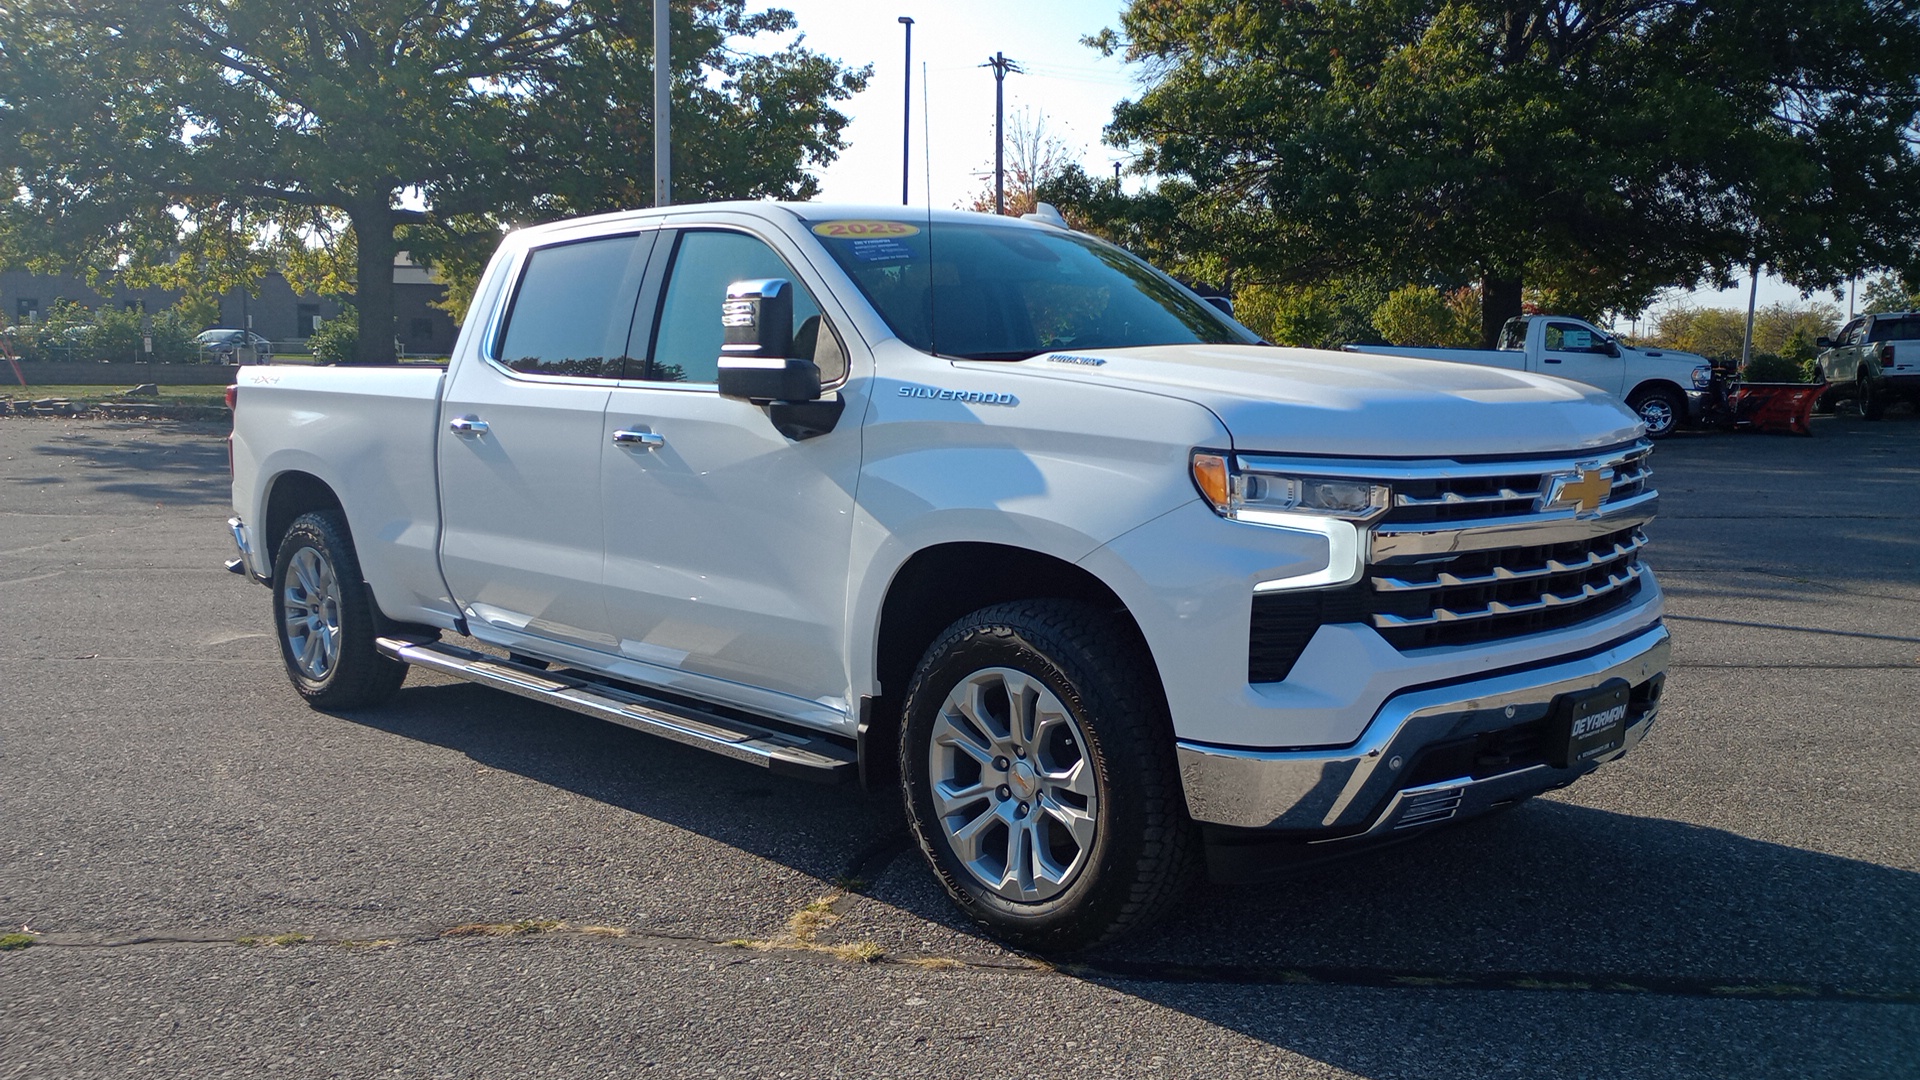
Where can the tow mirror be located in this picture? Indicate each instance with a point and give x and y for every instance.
(1225, 304)
(754, 362)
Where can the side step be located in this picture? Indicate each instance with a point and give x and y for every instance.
(816, 758)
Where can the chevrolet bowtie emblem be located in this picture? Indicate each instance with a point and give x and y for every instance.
(1582, 492)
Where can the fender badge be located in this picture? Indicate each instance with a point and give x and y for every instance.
(1069, 358)
(977, 397)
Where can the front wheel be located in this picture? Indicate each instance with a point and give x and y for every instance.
(1658, 408)
(1039, 775)
(325, 618)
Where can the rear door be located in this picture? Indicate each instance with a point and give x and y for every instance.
(520, 445)
(727, 543)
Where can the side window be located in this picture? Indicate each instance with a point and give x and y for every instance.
(1569, 337)
(1850, 333)
(686, 346)
(574, 307)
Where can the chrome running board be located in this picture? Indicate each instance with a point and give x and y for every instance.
(816, 757)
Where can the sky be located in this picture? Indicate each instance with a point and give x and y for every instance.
(1073, 88)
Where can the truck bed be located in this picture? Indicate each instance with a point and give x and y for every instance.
(369, 434)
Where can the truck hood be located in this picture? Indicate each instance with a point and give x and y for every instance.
(1311, 401)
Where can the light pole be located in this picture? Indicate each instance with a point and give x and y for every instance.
(662, 122)
(906, 114)
(1000, 65)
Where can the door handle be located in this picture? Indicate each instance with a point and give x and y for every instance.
(1551, 360)
(467, 425)
(646, 440)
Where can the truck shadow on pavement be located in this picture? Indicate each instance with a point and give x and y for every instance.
(113, 459)
(1479, 936)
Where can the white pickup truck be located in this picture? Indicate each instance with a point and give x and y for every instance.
(983, 509)
(1873, 358)
(1662, 386)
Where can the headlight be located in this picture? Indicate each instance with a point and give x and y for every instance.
(1250, 496)
(1702, 377)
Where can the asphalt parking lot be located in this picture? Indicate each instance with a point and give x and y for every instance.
(214, 880)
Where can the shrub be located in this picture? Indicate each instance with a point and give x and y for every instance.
(336, 340)
(1769, 367)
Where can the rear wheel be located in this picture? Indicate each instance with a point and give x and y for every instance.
(325, 618)
(1659, 408)
(1867, 397)
(1038, 770)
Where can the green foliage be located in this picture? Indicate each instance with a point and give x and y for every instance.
(198, 144)
(72, 333)
(1786, 330)
(1888, 293)
(1597, 151)
(1422, 315)
(336, 340)
(1771, 367)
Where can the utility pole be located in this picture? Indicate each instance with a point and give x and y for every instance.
(1000, 65)
(662, 122)
(906, 115)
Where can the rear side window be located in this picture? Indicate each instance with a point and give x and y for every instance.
(574, 307)
(1904, 328)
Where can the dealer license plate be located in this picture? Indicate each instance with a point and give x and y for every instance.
(1591, 723)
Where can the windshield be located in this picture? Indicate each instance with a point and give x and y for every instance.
(1000, 293)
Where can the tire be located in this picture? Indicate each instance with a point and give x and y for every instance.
(324, 618)
(1824, 404)
(1866, 398)
(1066, 837)
(1658, 408)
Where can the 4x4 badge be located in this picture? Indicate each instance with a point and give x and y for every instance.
(1583, 492)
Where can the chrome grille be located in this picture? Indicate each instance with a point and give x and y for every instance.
(1474, 551)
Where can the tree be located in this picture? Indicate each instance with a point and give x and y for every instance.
(1035, 158)
(1888, 293)
(1600, 150)
(212, 139)
(1786, 330)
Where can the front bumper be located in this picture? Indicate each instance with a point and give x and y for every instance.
(1384, 784)
(1696, 404)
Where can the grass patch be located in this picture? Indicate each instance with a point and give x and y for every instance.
(279, 940)
(803, 933)
(604, 931)
(169, 395)
(508, 929)
(9, 942)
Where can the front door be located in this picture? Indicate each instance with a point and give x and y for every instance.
(726, 542)
(520, 447)
(1573, 351)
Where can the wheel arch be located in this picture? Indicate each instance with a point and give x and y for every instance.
(936, 586)
(1646, 386)
(291, 494)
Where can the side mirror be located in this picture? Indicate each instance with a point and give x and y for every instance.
(754, 361)
(1613, 348)
(1225, 304)
(1823, 343)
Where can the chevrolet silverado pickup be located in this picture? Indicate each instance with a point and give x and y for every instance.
(1663, 386)
(984, 511)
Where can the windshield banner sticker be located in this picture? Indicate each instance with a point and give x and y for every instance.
(854, 230)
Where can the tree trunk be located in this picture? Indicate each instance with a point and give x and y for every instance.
(1499, 301)
(373, 221)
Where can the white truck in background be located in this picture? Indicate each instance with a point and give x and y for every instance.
(983, 511)
(1662, 386)
(1872, 358)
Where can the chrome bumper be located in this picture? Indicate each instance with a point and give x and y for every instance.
(1359, 791)
(241, 543)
